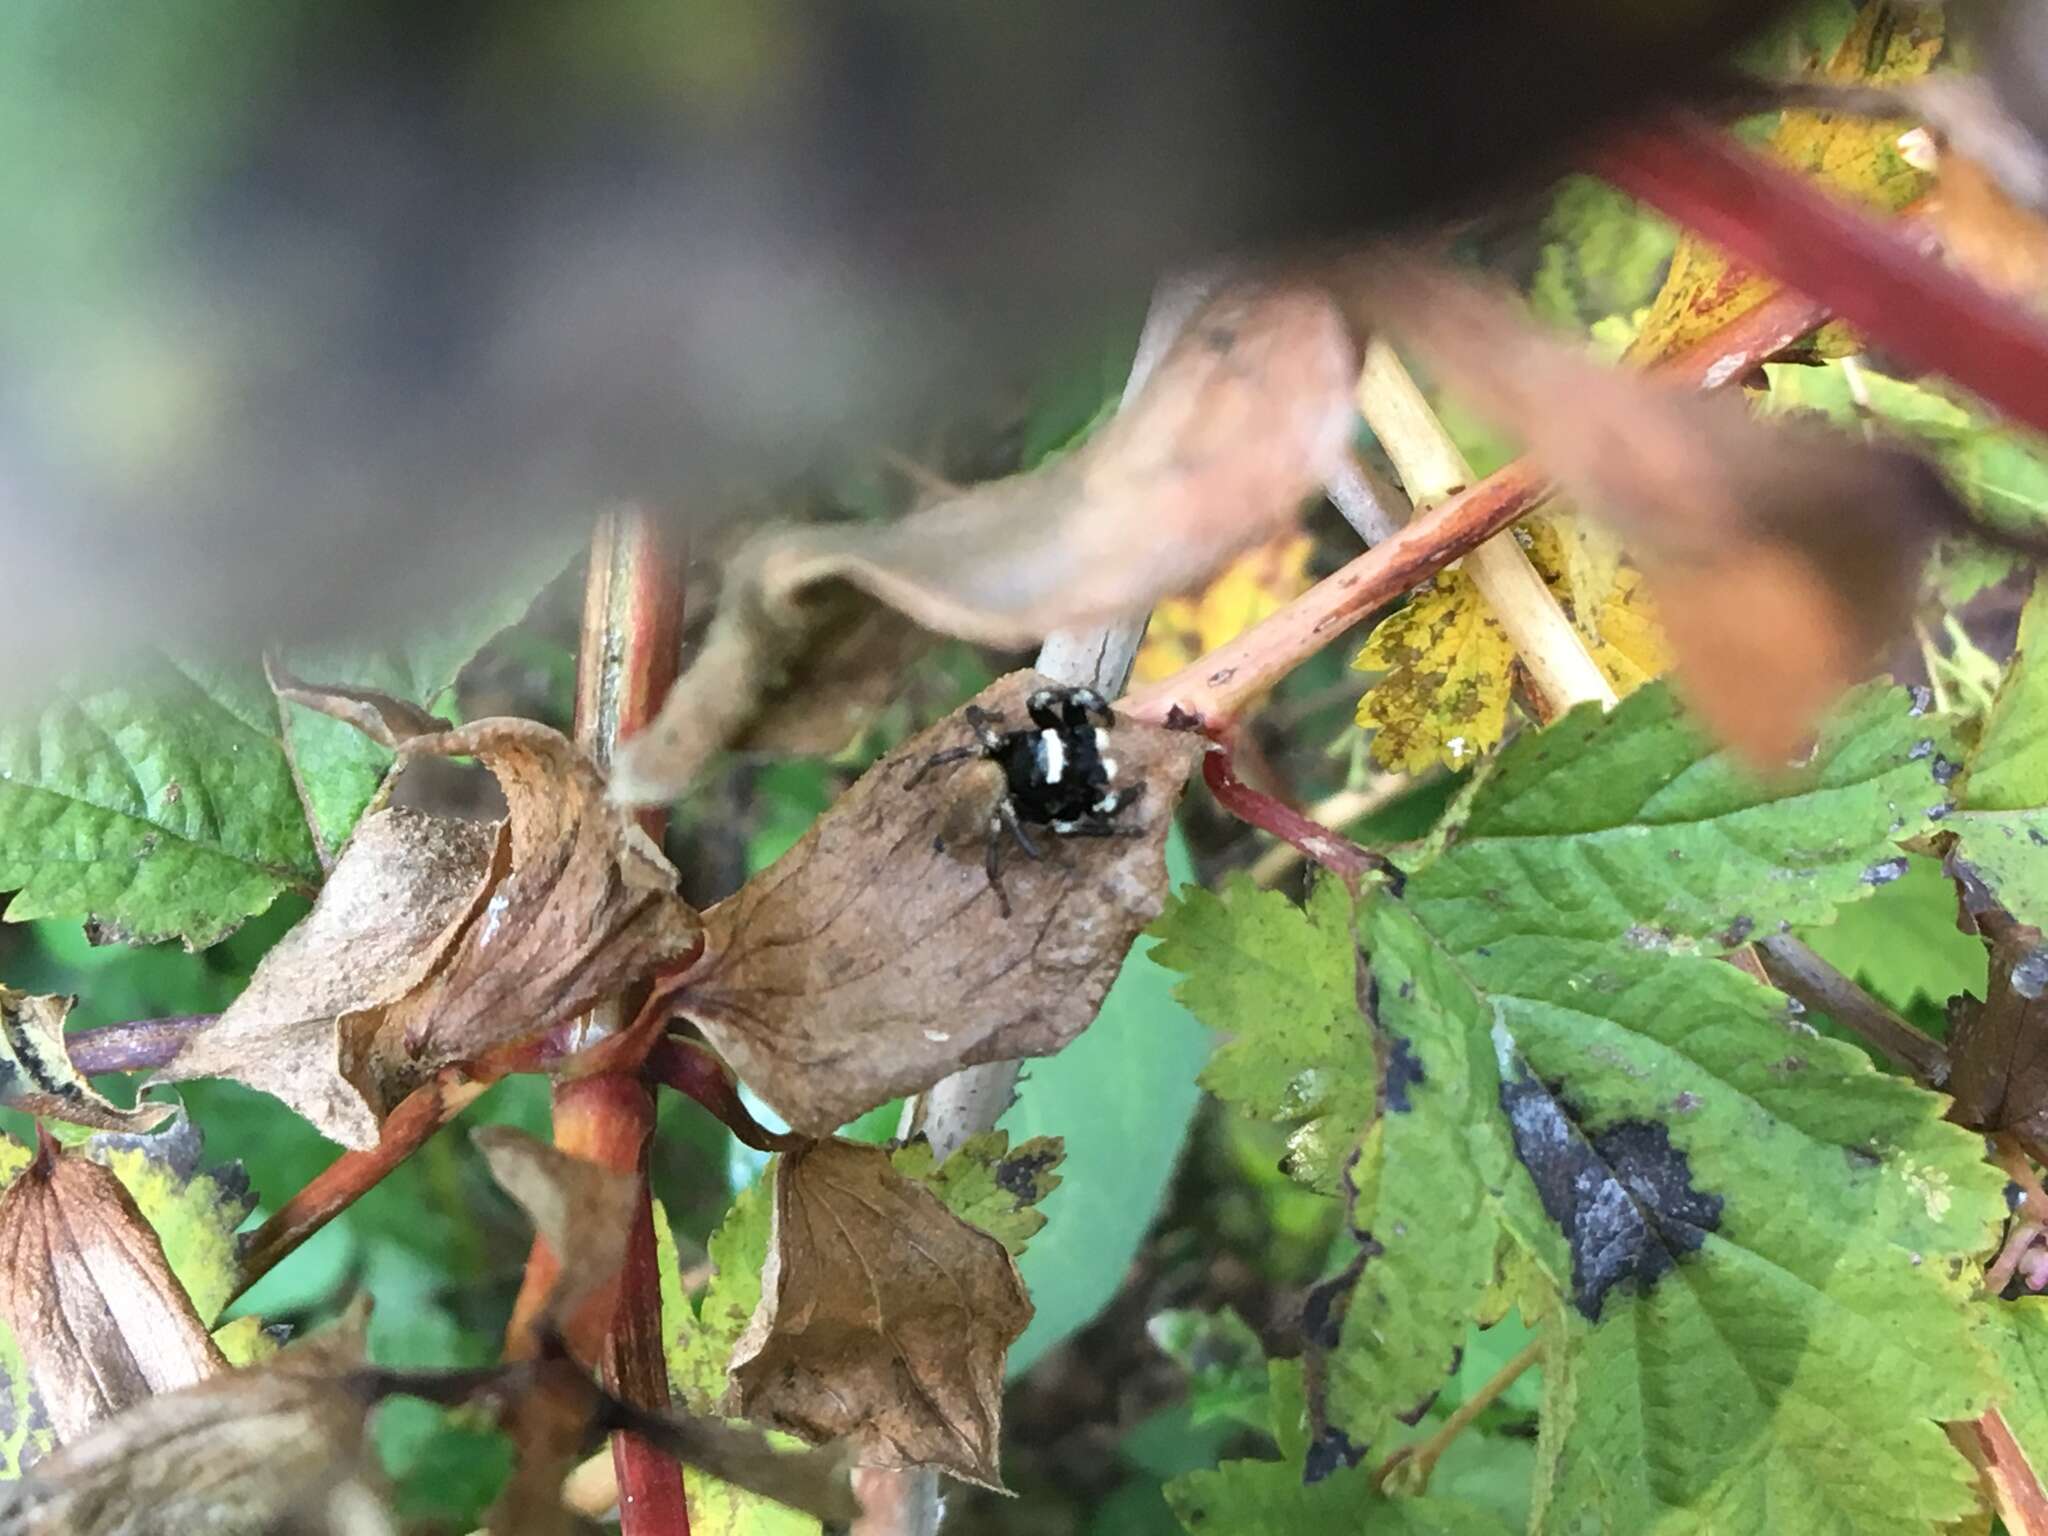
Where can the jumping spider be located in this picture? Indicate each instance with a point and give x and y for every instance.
(1058, 775)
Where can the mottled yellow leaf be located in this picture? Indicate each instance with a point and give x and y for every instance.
(1449, 667)
(1255, 585)
(1855, 157)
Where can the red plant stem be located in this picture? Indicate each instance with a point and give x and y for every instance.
(353, 1174)
(632, 633)
(693, 1071)
(1334, 851)
(140, 1045)
(1881, 277)
(1212, 690)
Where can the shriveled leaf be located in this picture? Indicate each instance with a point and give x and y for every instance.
(1281, 983)
(1242, 421)
(437, 940)
(872, 959)
(159, 807)
(97, 1314)
(883, 1317)
(36, 1075)
(245, 1451)
(1998, 1049)
(25, 1432)
(989, 1184)
(1253, 586)
(1855, 157)
(582, 1210)
(2002, 825)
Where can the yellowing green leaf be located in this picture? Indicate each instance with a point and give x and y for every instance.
(1255, 585)
(195, 1211)
(699, 1344)
(987, 1184)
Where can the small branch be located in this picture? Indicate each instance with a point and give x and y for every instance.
(693, 1071)
(1332, 850)
(1882, 278)
(1561, 668)
(354, 1174)
(140, 1045)
(1801, 974)
(1338, 810)
(2002, 1465)
(1215, 687)
(1420, 1460)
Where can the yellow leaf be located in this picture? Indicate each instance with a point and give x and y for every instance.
(1853, 156)
(1257, 584)
(1448, 666)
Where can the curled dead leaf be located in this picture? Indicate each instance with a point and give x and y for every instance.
(436, 941)
(38, 1078)
(1245, 418)
(101, 1321)
(884, 1318)
(582, 1210)
(871, 959)
(253, 1450)
(1781, 558)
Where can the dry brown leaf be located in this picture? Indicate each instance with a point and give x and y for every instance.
(36, 1074)
(101, 1321)
(1245, 418)
(582, 1210)
(884, 1318)
(871, 959)
(1781, 559)
(246, 1450)
(437, 940)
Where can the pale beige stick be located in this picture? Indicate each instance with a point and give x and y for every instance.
(1560, 666)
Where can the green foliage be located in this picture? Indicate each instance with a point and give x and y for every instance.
(1603, 254)
(1225, 1365)
(2003, 823)
(1281, 983)
(989, 1185)
(1903, 943)
(698, 1344)
(194, 1210)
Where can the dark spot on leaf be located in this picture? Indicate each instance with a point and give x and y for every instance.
(1923, 700)
(1884, 872)
(1403, 1073)
(1789, 1064)
(1623, 1198)
(1018, 1175)
(1861, 1158)
(1943, 768)
(2038, 837)
(1685, 1103)
(173, 792)
(1407, 990)
(1322, 1310)
(1331, 1451)
(1738, 930)
(1937, 812)
(2013, 1195)
(1924, 747)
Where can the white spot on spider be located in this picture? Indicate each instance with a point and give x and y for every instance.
(1052, 756)
(1101, 739)
(1109, 768)
(1065, 826)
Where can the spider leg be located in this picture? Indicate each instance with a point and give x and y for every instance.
(1044, 709)
(940, 759)
(992, 862)
(1090, 706)
(1117, 799)
(1006, 815)
(985, 725)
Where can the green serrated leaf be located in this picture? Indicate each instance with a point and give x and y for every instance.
(1628, 826)
(1903, 943)
(1282, 983)
(162, 806)
(2002, 826)
(1269, 1498)
(2017, 1332)
(987, 1184)
(702, 1344)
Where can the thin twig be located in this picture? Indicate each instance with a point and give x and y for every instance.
(1801, 974)
(1215, 687)
(1421, 1459)
(1336, 811)
(1332, 850)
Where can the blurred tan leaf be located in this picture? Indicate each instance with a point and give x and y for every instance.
(1856, 157)
(871, 959)
(36, 1075)
(582, 1210)
(1447, 665)
(245, 1451)
(884, 1318)
(1243, 420)
(1255, 585)
(99, 1318)
(437, 940)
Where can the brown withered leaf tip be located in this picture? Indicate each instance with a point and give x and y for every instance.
(1247, 416)
(582, 1210)
(101, 1321)
(436, 940)
(1998, 1049)
(253, 1450)
(884, 1318)
(871, 960)
(1781, 558)
(36, 1074)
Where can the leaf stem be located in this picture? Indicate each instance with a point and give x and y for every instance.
(139, 1045)
(1421, 1459)
(1334, 851)
(1214, 688)
(693, 1071)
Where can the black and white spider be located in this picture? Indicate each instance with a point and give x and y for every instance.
(1058, 774)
